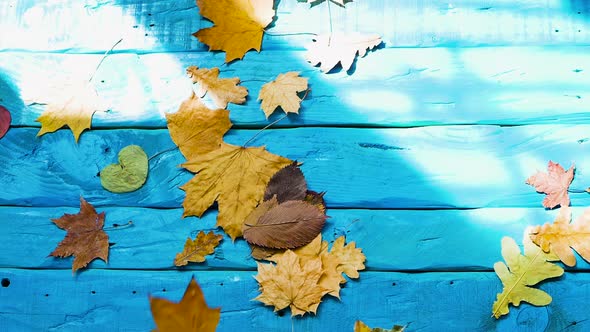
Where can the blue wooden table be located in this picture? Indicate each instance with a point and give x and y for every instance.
(423, 150)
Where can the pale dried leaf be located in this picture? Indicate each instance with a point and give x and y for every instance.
(329, 50)
(351, 258)
(221, 90)
(555, 183)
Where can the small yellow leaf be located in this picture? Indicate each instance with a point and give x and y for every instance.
(73, 109)
(519, 273)
(351, 258)
(221, 90)
(190, 314)
(282, 92)
(235, 177)
(291, 283)
(196, 250)
(331, 278)
(362, 327)
(238, 25)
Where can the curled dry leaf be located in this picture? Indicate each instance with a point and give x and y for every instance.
(351, 258)
(129, 174)
(289, 225)
(329, 50)
(291, 283)
(221, 90)
(190, 314)
(560, 236)
(4, 121)
(85, 239)
(362, 327)
(235, 177)
(520, 273)
(197, 130)
(74, 109)
(288, 184)
(238, 25)
(195, 250)
(282, 92)
(554, 183)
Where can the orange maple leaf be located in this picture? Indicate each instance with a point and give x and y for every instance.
(555, 183)
(190, 314)
(238, 25)
(85, 239)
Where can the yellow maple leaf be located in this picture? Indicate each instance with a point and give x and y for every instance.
(519, 273)
(351, 258)
(197, 130)
(235, 177)
(331, 49)
(74, 109)
(560, 236)
(291, 283)
(238, 25)
(196, 250)
(221, 90)
(282, 92)
(190, 314)
(359, 326)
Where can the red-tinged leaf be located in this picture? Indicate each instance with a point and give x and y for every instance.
(555, 183)
(4, 121)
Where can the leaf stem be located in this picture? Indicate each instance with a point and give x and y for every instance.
(103, 58)
(330, 17)
(163, 151)
(292, 34)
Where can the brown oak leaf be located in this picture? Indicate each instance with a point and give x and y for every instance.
(190, 314)
(221, 90)
(562, 235)
(235, 177)
(282, 92)
(290, 283)
(331, 49)
(85, 239)
(555, 183)
(196, 250)
(238, 25)
(197, 130)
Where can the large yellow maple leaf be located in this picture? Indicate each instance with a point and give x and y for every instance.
(74, 108)
(562, 235)
(190, 314)
(520, 273)
(238, 25)
(235, 177)
(291, 283)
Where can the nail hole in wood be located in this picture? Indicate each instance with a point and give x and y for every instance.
(5, 282)
(451, 282)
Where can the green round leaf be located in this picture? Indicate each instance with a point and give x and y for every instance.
(129, 174)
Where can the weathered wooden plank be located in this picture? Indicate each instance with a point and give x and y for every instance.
(50, 300)
(426, 167)
(390, 87)
(392, 240)
(161, 25)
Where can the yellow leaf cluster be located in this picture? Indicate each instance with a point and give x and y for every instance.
(327, 273)
(196, 250)
(359, 326)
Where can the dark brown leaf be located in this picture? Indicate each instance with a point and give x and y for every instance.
(262, 253)
(288, 225)
(288, 184)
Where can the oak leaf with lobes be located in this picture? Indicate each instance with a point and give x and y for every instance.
(555, 183)
(562, 235)
(85, 239)
(221, 90)
(196, 250)
(190, 314)
(331, 49)
(235, 177)
(238, 25)
(282, 92)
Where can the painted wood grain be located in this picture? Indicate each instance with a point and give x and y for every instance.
(161, 25)
(118, 301)
(390, 87)
(425, 167)
(392, 240)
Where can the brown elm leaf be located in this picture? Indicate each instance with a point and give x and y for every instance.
(562, 235)
(221, 90)
(288, 225)
(554, 183)
(4, 121)
(288, 184)
(85, 239)
(351, 258)
(291, 283)
(190, 314)
(196, 250)
(282, 92)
